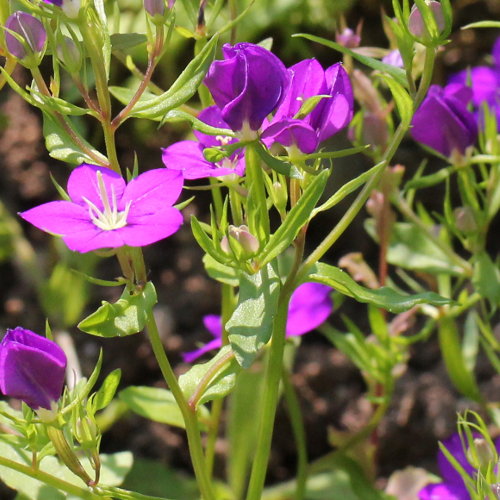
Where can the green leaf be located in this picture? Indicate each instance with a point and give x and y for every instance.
(403, 101)
(397, 73)
(220, 272)
(213, 379)
(176, 115)
(280, 166)
(298, 216)
(383, 297)
(486, 278)
(181, 90)
(410, 248)
(107, 391)
(250, 326)
(125, 317)
(482, 24)
(451, 350)
(205, 242)
(155, 404)
(62, 147)
(124, 41)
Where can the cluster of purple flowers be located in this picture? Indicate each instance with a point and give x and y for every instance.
(443, 121)
(248, 86)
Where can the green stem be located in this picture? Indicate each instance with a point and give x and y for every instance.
(50, 480)
(425, 81)
(299, 434)
(188, 413)
(270, 398)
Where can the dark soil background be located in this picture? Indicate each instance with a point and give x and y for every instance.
(330, 388)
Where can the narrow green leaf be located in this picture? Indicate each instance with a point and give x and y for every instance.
(384, 297)
(220, 272)
(107, 391)
(397, 73)
(298, 216)
(486, 278)
(280, 166)
(403, 101)
(124, 317)
(176, 115)
(482, 24)
(205, 242)
(250, 326)
(125, 41)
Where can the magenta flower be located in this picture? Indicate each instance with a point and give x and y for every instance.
(247, 85)
(484, 81)
(31, 31)
(394, 58)
(452, 487)
(187, 156)
(310, 305)
(332, 113)
(32, 368)
(54, 2)
(443, 121)
(105, 212)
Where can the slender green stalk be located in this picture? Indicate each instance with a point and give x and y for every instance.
(270, 398)
(50, 480)
(188, 413)
(299, 434)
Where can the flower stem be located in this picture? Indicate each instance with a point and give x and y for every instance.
(270, 398)
(188, 413)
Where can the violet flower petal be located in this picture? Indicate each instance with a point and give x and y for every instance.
(247, 85)
(30, 29)
(394, 59)
(307, 79)
(444, 123)
(212, 116)
(213, 323)
(310, 306)
(32, 368)
(191, 356)
(441, 491)
(82, 183)
(55, 2)
(187, 157)
(290, 132)
(333, 114)
(93, 238)
(59, 217)
(485, 83)
(496, 52)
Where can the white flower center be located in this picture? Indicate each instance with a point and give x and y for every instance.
(109, 218)
(224, 140)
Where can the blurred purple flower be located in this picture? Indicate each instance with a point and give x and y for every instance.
(443, 121)
(31, 31)
(54, 2)
(484, 82)
(331, 114)
(187, 156)
(452, 487)
(348, 38)
(310, 306)
(105, 212)
(394, 59)
(32, 368)
(247, 85)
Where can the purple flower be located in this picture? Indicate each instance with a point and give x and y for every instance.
(348, 38)
(452, 487)
(54, 2)
(332, 113)
(105, 212)
(484, 82)
(187, 156)
(443, 121)
(310, 305)
(32, 368)
(394, 59)
(31, 31)
(247, 85)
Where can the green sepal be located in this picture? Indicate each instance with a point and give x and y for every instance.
(124, 317)
(107, 391)
(124, 41)
(280, 166)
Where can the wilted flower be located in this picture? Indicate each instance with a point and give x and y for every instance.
(443, 121)
(484, 82)
(32, 368)
(247, 85)
(30, 29)
(310, 305)
(187, 156)
(348, 38)
(452, 487)
(331, 114)
(105, 212)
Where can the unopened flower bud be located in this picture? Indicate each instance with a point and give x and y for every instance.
(248, 243)
(348, 38)
(480, 455)
(416, 23)
(86, 432)
(31, 32)
(155, 7)
(69, 54)
(464, 219)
